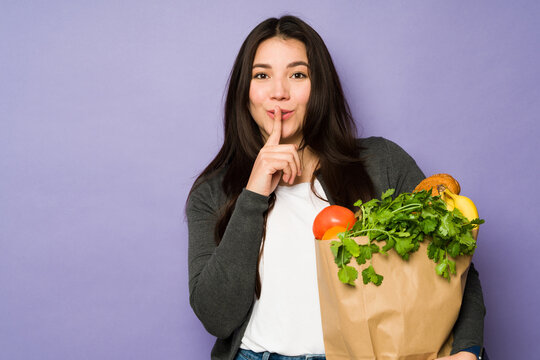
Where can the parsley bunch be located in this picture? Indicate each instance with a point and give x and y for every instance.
(401, 224)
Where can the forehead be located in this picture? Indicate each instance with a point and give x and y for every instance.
(279, 50)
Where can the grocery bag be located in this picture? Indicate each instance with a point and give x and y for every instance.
(410, 316)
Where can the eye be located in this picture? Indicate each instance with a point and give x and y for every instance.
(260, 76)
(299, 75)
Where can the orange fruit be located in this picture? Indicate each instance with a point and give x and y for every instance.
(332, 232)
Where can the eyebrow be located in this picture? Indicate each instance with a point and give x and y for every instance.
(291, 65)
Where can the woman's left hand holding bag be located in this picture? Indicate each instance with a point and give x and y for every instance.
(462, 355)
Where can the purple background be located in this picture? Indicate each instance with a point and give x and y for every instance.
(108, 109)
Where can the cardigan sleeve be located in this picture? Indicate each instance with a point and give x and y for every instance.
(222, 278)
(469, 328)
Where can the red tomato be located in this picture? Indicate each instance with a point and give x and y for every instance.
(333, 215)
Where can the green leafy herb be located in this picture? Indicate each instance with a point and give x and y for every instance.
(401, 224)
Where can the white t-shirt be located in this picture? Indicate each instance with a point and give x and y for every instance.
(287, 318)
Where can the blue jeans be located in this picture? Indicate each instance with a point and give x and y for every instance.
(250, 355)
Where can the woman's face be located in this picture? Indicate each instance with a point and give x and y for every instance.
(280, 77)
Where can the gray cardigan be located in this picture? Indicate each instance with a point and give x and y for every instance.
(222, 278)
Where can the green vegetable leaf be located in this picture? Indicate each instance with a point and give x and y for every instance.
(429, 213)
(447, 227)
(369, 275)
(390, 243)
(334, 247)
(428, 225)
(388, 193)
(343, 257)
(467, 239)
(452, 265)
(441, 269)
(351, 246)
(384, 216)
(403, 247)
(402, 234)
(433, 251)
(365, 252)
(348, 275)
(454, 249)
(477, 221)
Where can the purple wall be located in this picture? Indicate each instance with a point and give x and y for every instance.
(108, 109)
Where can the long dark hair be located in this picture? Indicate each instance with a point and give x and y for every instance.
(328, 130)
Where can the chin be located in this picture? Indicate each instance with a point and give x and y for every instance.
(291, 139)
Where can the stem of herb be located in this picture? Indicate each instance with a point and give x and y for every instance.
(407, 207)
(359, 232)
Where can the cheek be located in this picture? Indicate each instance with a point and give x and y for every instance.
(303, 99)
(303, 96)
(256, 96)
(255, 106)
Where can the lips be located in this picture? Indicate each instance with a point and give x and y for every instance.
(285, 114)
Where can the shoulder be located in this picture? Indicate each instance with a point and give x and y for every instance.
(377, 149)
(388, 164)
(207, 192)
(378, 144)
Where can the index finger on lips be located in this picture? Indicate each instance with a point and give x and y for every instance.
(275, 135)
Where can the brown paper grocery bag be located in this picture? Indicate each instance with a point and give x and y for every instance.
(410, 316)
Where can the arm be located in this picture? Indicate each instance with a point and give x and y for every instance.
(222, 278)
(469, 328)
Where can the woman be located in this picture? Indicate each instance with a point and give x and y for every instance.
(289, 151)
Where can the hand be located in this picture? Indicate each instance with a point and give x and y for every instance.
(274, 162)
(462, 355)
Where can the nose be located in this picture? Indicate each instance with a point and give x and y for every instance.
(280, 89)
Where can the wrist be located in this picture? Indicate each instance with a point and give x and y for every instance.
(466, 354)
(475, 350)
